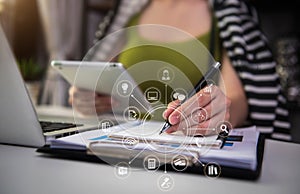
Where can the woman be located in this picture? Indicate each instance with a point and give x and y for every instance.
(250, 82)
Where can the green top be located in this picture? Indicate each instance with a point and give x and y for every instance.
(166, 67)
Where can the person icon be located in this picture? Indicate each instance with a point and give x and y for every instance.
(166, 75)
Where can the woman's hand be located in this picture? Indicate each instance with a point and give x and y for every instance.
(88, 102)
(200, 114)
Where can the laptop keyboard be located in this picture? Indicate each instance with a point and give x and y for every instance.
(48, 126)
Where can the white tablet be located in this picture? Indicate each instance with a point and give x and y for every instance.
(109, 78)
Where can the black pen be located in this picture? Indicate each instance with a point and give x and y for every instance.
(223, 137)
(200, 85)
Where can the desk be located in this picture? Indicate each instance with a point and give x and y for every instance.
(22, 170)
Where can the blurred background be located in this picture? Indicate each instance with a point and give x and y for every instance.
(41, 30)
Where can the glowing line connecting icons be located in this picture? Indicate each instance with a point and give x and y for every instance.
(160, 82)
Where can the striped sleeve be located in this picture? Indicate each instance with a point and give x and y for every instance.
(250, 55)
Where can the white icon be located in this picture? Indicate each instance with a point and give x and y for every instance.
(201, 116)
(212, 170)
(166, 75)
(166, 183)
(181, 97)
(124, 87)
(180, 162)
(178, 96)
(132, 115)
(200, 141)
(122, 170)
(151, 163)
(152, 95)
(223, 128)
(105, 125)
(207, 90)
(130, 141)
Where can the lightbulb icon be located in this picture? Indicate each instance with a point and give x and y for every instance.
(124, 86)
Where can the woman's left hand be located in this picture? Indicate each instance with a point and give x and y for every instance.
(200, 114)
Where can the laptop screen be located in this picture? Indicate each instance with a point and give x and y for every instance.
(19, 122)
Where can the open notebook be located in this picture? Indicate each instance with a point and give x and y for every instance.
(133, 134)
(131, 139)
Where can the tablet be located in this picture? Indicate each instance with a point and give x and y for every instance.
(108, 78)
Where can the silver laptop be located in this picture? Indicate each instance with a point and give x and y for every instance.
(19, 123)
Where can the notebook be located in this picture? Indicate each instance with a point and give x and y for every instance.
(19, 121)
(136, 132)
(240, 157)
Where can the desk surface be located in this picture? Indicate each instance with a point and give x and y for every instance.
(22, 170)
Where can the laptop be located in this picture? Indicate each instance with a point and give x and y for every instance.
(19, 122)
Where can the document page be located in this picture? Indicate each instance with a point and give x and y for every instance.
(239, 154)
(239, 150)
(149, 132)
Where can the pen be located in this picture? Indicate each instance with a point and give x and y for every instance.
(201, 84)
(223, 137)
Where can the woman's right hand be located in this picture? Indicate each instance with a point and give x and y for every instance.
(88, 102)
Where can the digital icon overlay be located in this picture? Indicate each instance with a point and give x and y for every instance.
(105, 124)
(212, 170)
(165, 182)
(122, 170)
(153, 95)
(179, 163)
(151, 163)
(124, 88)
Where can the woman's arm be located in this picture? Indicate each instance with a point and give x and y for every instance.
(234, 90)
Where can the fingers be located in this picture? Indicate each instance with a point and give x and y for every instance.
(88, 102)
(201, 113)
(171, 107)
(200, 99)
(207, 127)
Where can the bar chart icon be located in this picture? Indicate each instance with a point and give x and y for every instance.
(212, 170)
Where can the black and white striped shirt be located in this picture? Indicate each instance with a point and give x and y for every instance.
(247, 49)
